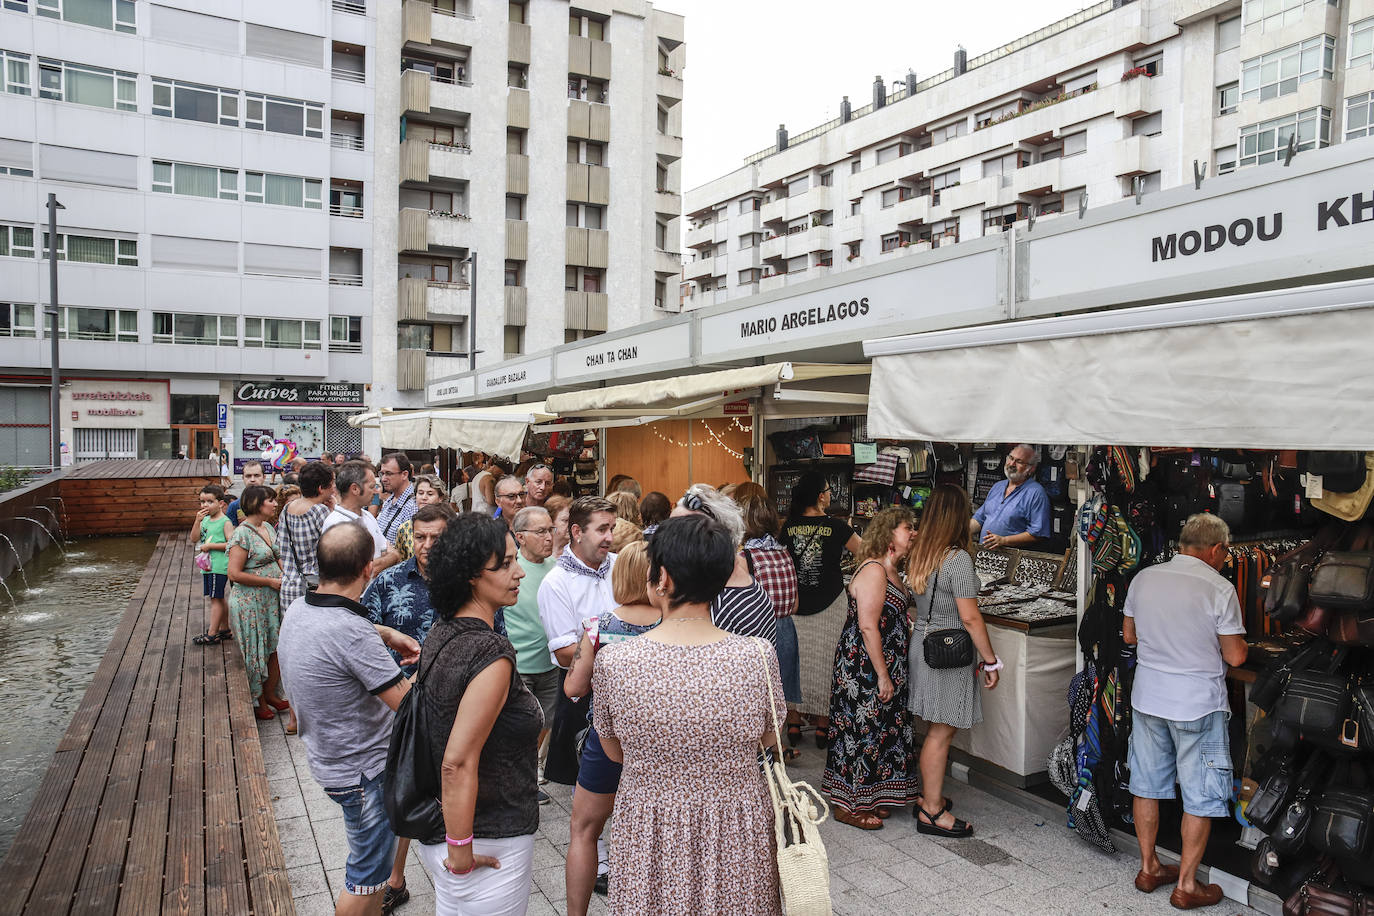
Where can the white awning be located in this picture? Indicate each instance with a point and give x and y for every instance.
(495, 430)
(1279, 369)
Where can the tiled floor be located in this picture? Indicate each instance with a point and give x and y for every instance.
(1019, 863)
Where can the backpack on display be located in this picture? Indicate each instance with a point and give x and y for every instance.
(1236, 504)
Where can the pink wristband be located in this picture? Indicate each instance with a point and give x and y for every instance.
(452, 842)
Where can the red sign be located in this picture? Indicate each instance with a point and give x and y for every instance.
(735, 408)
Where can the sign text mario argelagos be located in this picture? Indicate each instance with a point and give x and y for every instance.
(1338, 213)
(801, 318)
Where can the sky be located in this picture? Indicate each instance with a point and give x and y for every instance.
(755, 64)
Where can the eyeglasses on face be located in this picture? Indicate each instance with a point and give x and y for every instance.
(537, 532)
(693, 503)
(521, 495)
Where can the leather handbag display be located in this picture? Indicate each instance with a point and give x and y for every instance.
(1349, 506)
(1290, 833)
(1342, 472)
(1313, 899)
(1272, 797)
(1358, 730)
(1316, 703)
(1287, 591)
(1269, 686)
(1350, 629)
(1344, 581)
(1342, 822)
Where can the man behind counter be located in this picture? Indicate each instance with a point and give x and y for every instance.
(1017, 510)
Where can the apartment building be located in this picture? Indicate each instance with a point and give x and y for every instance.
(540, 141)
(214, 166)
(1124, 98)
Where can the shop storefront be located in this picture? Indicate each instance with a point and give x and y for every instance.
(313, 415)
(115, 418)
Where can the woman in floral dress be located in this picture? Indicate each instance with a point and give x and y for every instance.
(870, 768)
(685, 706)
(255, 600)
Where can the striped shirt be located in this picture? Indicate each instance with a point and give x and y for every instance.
(745, 610)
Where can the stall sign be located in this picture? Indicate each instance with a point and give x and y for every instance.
(735, 408)
(633, 354)
(515, 376)
(298, 394)
(117, 403)
(893, 303)
(450, 391)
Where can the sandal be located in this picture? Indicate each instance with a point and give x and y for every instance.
(790, 753)
(883, 811)
(264, 714)
(279, 705)
(208, 639)
(925, 823)
(860, 819)
(822, 737)
(793, 733)
(394, 897)
(225, 635)
(920, 803)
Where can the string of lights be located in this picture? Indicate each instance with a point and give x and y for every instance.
(714, 437)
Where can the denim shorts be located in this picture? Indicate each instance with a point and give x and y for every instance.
(789, 660)
(371, 844)
(215, 583)
(1196, 755)
(597, 772)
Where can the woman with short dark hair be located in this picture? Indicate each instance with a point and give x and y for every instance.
(685, 707)
(653, 509)
(255, 599)
(485, 723)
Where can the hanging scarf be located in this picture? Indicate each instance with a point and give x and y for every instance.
(569, 561)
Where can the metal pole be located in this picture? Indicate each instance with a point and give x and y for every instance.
(55, 406)
(472, 311)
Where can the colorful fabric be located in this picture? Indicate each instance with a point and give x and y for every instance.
(405, 539)
(399, 598)
(255, 610)
(395, 510)
(870, 762)
(775, 572)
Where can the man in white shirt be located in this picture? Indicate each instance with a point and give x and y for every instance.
(579, 586)
(1185, 621)
(356, 485)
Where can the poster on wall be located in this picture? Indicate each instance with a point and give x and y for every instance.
(257, 430)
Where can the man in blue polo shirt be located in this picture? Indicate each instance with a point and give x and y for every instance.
(1017, 510)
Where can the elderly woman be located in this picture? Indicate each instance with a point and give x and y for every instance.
(870, 769)
(255, 599)
(628, 525)
(598, 776)
(485, 725)
(686, 706)
(742, 606)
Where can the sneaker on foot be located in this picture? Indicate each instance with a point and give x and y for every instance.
(603, 884)
(544, 797)
(394, 897)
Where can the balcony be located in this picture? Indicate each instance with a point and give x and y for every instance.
(517, 240)
(347, 75)
(347, 211)
(588, 183)
(817, 238)
(457, 28)
(517, 305)
(517, 173)
(455, 95)
(807, 202)
(427, 300)
(345, 141)
(415, 91)
(915, 208)
(1134, 98)
(587, 247)
(775, 211)
(668, 148)
(585, 311)
(771, 282)
(589, 121)
(518, 43)
(698, 236)
(667, 262)
(1128, 158)
(410, 370)
(589, 57)
(1041, 178)
(776, 247)
(670, 87)
(421, 230)
(701, 267)
(518, 108)
(668, 203)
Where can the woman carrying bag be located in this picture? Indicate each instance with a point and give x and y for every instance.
(949, 637)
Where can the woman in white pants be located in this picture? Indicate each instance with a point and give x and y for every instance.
(485, 727)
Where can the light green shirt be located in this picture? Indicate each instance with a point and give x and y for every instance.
(523, 625)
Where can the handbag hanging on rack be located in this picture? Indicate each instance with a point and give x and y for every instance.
(798, 812)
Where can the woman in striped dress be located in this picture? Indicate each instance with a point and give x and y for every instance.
(742, 607)
(945, 588)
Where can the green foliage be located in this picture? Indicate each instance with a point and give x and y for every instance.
(12, 478)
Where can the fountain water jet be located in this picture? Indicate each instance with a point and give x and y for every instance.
(52, 537)
(17, 565)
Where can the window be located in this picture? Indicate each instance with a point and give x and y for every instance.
(1267, 141)
(827, 179)
(662, 121)
(517, 76)
(116, 15)
(282, 190)
(1000, 219)
(1075, 143)
(586, 279)
(415, 337)
(16, 242)
(949, 132)
(586, 216)
(893, 240)
(749, 276)
(586, 26)
(283, 116)
(1050, 204)
(1359, 116)
(1228, 34)
(1152, 64)
(853, 249)
(345, 334)
(1150, 125)
(195, 180)
(97, 324)
(433, 270)
(1005, 165)
(798, 186)
(514, 339)
(515, 206)
(1228, 97)
(891, 196)
(348, 202)
(1049, 151)
(196, 330)
(515, 273)
(588, 89)
(1226, 159)
(940, 182)
(515, 11)
(1280, 72)
(748, 240)
(1361, 47)
(587, 152)
(889, 153)
(1273, 14)
(856, 206)
(515, 141)
(68, 82)
(943, 232)
(193, 102)
(18, 320)
(14, 74)
(749, 205)
(281, 334)
(85, 249)
(854, 167)
(660, 236)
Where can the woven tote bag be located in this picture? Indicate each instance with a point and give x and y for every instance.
(798, 812)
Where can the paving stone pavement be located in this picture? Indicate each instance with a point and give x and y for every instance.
(1019, 862)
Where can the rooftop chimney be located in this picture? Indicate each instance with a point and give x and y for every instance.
(782, 137)
(960, 61)
(910, 83)
(845, 110)
(879, 93)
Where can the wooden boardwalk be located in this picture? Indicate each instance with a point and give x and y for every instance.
(131, 469)
(156, 800)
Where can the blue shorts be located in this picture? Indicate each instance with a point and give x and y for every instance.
(215, 584)
(597, 772)
(789, 660)
(1196, 755)
(371, 844)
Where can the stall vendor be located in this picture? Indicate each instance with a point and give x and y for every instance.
(1017, 510)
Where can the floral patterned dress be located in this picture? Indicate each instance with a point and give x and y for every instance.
(871, 761)
(255, 610)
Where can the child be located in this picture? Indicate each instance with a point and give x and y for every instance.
(211, 532)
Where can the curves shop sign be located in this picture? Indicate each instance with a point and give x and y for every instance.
(297, 394)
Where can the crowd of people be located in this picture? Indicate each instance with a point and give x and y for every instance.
(626, 645)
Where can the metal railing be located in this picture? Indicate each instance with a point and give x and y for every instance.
(342, 346)
(337, 279)
(458, 80)
(452, 147)
(348, 76)
(455, 13)
(345, 141)
(195, 341)
(345, 210)
(358, 7)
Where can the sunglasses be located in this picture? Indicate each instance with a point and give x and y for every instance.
(692, 502)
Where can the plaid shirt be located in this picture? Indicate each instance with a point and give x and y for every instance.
(775, 572)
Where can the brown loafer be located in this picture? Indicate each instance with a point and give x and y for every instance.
(1147, 883)
(1209, 895)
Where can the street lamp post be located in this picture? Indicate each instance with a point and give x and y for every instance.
(55, 406)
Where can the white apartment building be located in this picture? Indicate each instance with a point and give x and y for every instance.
(214, 163)
(1124, 98)
(541, 138)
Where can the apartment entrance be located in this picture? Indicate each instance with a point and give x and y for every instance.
(195, 441)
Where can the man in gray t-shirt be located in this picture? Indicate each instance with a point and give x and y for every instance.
(345, 687)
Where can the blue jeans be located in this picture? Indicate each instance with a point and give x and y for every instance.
(789, 660)
(371, 844)
(1196, 755)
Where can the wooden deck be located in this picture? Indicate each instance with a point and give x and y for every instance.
(133, 469)
(156, 800)
(134, 497)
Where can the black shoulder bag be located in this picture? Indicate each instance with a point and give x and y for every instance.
(411, 789)
(948, 648)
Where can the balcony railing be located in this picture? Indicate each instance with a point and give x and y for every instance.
(345, 141)
(345, 210)
(345, 346)
(457, 80)
(457, 14)
(348, 76)
(337, 279)
(451, 146)
(358, 7)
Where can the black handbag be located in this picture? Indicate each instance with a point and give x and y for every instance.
(948, 648)
(1341, 823)
(1341, 472)
(1236, 503)
(1344, 581)
(1287, 592)
(1272, 797)
(311, 580)
(411, 788)
(1281, 874)
(1269, 686)
(1358, 730)
(1290, 833)
(1315, 703)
